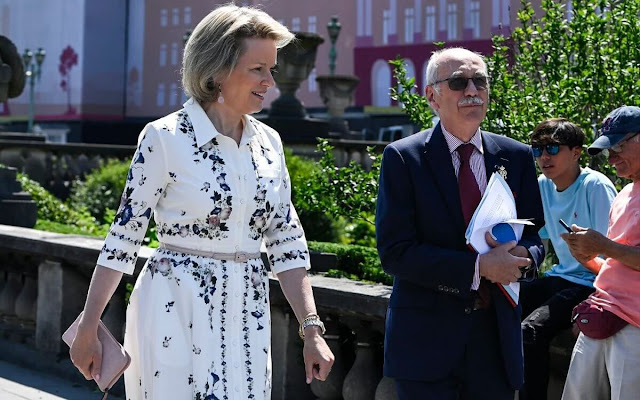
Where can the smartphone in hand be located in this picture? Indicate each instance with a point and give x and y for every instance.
(564, 224)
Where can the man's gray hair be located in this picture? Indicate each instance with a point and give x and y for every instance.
(217, 42)
(433, 66)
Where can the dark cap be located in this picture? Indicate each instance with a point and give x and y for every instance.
(615, 127)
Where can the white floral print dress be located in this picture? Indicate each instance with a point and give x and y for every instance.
(198, 327)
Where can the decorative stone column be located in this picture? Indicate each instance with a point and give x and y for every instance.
(337, 93)
(331, 388)
(295, 62)
(363, 377)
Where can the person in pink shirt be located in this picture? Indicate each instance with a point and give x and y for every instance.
(609, 368)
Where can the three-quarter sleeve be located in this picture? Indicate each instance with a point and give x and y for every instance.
(284, 238)
(145, 183)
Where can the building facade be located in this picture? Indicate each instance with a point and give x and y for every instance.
(121, 59)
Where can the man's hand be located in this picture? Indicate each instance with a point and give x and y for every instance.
(501, 264)
(585, 244)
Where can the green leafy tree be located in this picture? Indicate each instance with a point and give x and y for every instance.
(348, 192)
(579, 68)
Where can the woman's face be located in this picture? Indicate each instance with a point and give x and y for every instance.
(245, 88)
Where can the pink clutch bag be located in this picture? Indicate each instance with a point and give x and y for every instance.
(114, 358)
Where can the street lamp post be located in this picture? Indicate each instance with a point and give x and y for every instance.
(33, 72)
(333, 27)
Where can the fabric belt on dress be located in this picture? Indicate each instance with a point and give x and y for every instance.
(239, 256)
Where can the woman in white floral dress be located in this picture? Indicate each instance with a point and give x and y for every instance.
(198, 322)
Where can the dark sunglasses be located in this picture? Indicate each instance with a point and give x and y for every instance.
(552, 149)
(459, 83)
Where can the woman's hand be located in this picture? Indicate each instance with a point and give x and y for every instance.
(86, 352)
(318, 358)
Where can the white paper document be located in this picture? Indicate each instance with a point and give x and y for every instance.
(496, 206)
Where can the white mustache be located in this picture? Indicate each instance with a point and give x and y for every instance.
(471, 101)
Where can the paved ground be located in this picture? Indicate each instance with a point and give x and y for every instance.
(17, 383)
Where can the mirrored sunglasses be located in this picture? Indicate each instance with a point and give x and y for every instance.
(552, 149)
(459, 83)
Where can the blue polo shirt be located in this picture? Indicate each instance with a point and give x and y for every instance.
(585, 203)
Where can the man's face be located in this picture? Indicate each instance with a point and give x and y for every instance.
(461, 111)
(627, 161)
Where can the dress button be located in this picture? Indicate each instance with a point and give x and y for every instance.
(467, 310)
(237, 388)
(237, 365)
(241, 201)
(245, 178)
(235, 318)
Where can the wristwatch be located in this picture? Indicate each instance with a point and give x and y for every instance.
(310, 320)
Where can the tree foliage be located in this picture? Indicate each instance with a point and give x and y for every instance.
(578, 64)
(348, 192)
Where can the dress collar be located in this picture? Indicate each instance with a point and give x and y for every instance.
(203, 128)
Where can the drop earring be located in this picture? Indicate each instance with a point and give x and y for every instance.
(220, 98)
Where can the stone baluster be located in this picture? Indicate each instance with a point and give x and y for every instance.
(3, 278)
(331, 388)
(12, 289)
(363, 377)
(61, 297)
(114, 316)
(25, 307)
(386, 389)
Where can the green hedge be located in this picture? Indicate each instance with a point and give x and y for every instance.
(55, 215)
(354, 262)
(101, 190)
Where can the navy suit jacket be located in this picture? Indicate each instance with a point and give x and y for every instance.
(421, 242)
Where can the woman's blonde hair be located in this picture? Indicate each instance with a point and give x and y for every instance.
(217, 42)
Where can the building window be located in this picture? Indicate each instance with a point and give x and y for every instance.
(173, 95)
(176, 16)
(380, 83)
(430, 23)
(474, 18)
(500, 13)
(313, 84)
(187, 16)
(174, 54)
(312, 24)
(409, 24)
(162, 60)
(164, 17)
(160, 95)
(295, 24)
(386, 25)
(452, 21)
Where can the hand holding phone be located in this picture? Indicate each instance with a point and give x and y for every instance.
(567, 227)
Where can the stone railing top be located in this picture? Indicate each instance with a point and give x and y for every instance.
(71, 148)
(333, 295)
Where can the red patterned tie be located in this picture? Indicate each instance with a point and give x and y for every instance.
(467, 184)
(470, 198)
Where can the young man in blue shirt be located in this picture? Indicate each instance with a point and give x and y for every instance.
(578, 196)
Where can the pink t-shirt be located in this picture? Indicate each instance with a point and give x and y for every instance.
(618, 285)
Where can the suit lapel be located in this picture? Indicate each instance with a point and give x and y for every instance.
(493, 162)
(437, 158)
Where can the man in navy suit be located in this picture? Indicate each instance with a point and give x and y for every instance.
(450, 332)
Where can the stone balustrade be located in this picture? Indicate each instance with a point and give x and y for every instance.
(345, 151)
(56, 166)
(44, 279)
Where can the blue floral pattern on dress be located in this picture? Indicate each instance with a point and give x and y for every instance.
(198, 327)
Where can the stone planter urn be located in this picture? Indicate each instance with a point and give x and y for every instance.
(337, 92)
(16, 206)
(295, 62)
